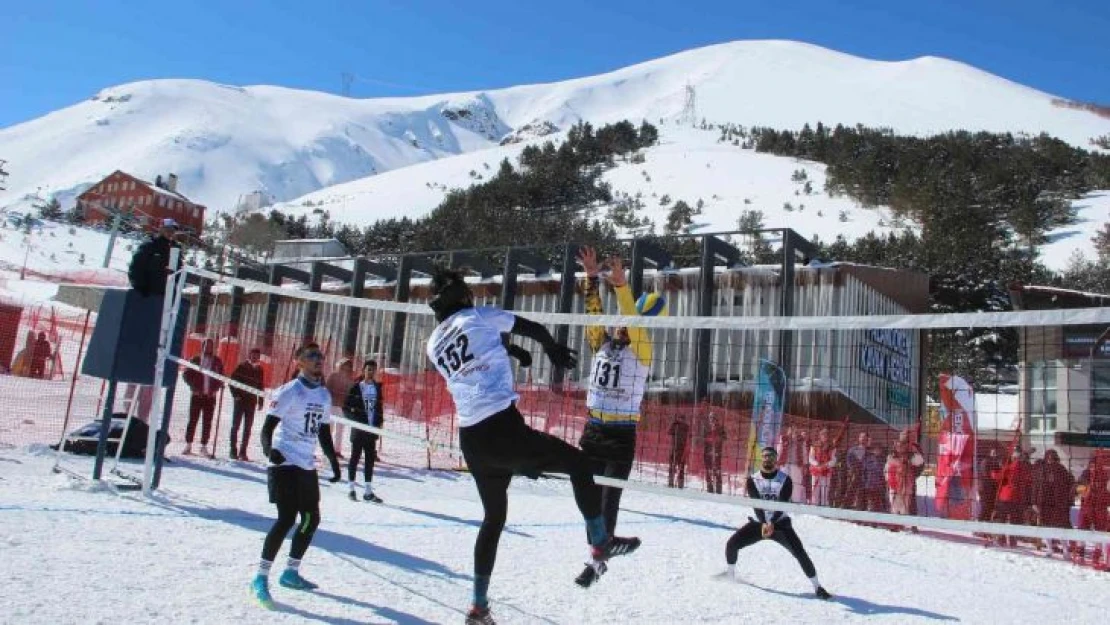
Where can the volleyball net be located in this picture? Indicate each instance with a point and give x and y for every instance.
(987, 423)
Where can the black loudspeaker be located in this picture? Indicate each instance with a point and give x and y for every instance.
(124, 344)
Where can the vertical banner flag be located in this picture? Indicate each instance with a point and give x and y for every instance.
(767, 409)
(956, 448)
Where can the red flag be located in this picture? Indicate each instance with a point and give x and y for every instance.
(956, 448)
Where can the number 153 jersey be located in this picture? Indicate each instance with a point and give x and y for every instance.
(467, 351)
(302, 411)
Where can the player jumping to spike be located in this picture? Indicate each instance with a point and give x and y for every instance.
(771, 484)
(299, 412)
(467, 350)
(618, 375)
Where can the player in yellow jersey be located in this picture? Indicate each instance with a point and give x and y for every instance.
(617, 378)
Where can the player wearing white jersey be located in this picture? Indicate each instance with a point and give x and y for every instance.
(467, 350)
(618, 376)
(771, 484)
(299, 413)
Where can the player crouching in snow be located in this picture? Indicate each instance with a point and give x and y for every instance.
(364, 405)
(771, 484)
(467, 350)
(300, 413)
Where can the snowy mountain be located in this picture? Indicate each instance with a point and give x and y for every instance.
(225, 141)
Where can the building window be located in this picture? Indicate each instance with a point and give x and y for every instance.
(1043, 395)
(1100, 395)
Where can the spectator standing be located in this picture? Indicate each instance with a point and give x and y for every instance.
(202, 403)
(1014, 488)
(1094, 500)
(339, 384)
(715, 435)
(822, 460)
(901, 473)
(39, 355)
(244, 403)
(793, 455)
(1053, 494)
(989, 469)
(680, 434)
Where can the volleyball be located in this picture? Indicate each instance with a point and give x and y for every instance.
(651, 305)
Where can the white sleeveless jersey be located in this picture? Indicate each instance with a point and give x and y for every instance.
(302, 411)
(617, 381)
(770, 488)
(467, 351)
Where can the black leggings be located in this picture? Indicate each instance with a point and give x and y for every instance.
(362, 442)
(784, 535)
(502, 445)
(612, 451)
(302, 538)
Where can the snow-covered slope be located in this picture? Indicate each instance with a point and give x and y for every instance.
(688, 164)
(224, 141)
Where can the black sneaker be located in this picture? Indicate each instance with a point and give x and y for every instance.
(372, 498)
(590, 574)
(352, 496)
(616, 546)
(822, 593)
(479, 616)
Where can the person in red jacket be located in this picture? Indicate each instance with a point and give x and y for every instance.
(1094, 500)
(202, 404)
(1015, 481)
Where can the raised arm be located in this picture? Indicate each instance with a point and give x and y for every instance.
(595, 334)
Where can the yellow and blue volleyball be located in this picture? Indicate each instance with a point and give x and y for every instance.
(651, 305)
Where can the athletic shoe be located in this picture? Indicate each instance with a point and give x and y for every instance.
(234, 455)
(479, 616)
(822, 593)
(188, 451)
(590, 574)
(616, 546)
(243, 456)
(292, 579)
(372, 497)
(352, 496)
(260, 586)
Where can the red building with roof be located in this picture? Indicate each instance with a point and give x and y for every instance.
(149, 202)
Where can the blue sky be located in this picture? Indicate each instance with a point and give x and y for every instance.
(54, 53)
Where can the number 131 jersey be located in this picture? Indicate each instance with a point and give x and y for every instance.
(302, 411)
(467, 351)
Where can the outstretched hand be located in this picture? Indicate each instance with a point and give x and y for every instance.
(587, 257)
(617, 276)
(562, 356)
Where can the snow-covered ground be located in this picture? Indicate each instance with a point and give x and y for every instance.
(73, 553)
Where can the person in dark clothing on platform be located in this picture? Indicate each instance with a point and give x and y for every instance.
(364, 405)
(202, 404)
(244, 403)
(150, 266)
(676, 469)
(771, 484)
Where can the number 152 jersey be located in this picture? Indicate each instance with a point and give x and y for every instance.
(467, 351)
